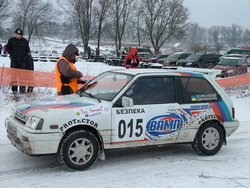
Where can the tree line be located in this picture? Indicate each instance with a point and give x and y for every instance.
(142, 22)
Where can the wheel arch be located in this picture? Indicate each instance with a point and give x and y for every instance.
(93, 131)
(219, 124)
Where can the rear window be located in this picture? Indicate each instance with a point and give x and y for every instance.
(195, 89)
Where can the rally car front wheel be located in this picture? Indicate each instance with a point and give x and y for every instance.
(209, 139)
(78, 150)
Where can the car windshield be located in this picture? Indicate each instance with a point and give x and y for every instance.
(194, 57)
(106, 86)
(228, 62)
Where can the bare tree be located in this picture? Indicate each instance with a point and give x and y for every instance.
(101, 10)
(163, 19)
(246, 36)
(120, 11)
(32, 14)
(236, 32)
(81, 12)
(215, 33)
(4, 4)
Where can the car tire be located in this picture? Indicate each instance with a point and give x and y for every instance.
(209, 139)
(79, 150)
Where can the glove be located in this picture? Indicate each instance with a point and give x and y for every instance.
(128, 62)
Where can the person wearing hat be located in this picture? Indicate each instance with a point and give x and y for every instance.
(67, 77)
(18, 49)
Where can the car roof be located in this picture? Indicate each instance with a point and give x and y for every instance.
(232, 58)
(158, 71)
(144, 53)
(242, 55)
(181, 53)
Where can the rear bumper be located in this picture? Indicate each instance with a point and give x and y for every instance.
(231, 127)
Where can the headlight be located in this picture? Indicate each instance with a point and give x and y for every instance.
(34, 123)
(189, 63)
(166, 61)
(230, 71)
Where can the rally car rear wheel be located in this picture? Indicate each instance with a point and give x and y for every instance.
(209, 139)
(78, 150)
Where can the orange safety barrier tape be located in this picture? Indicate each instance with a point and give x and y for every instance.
(234, 81)
(22, 77)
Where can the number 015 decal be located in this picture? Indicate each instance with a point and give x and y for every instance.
(128, 124)
(129, 129)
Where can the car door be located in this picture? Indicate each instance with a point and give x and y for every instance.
(152, 116)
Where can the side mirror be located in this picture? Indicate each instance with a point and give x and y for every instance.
(127, 102)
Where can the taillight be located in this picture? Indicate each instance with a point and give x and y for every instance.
(233, 113)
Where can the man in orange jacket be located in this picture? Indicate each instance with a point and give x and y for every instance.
(66, 74)
(131, 60)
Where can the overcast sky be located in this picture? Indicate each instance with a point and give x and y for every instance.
(219, 12)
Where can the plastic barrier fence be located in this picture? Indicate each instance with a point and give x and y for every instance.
(13, 77)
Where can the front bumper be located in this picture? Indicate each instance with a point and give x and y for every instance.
(32, 143)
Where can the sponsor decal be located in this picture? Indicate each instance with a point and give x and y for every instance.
(130, 111)
(77, 122)
(21, 116)
(210, 117)
(201, 106)
(163, 125)
(204, 97)
(92, 111)
(201, 113)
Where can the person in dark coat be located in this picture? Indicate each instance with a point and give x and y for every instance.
(30, 66)
(18, 49)
(1, 47)
(89, 52)
(97, 51)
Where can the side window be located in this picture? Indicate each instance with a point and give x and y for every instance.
(208, 57)
(202, 58)
(194, 89)
(240, 62)
(152, 90)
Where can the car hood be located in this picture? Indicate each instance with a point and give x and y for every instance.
(54, 105)
(224, 67)
(153, 58)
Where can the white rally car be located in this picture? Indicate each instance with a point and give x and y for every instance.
(125, 108)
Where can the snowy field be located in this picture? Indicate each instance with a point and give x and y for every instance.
(170, 166)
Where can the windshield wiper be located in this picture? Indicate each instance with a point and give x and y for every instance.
(89, 94)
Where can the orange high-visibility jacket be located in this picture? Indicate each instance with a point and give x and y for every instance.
(72, 82)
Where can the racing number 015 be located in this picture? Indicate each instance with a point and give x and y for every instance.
(131, 129)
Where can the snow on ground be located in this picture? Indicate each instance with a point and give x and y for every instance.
(170, 166)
